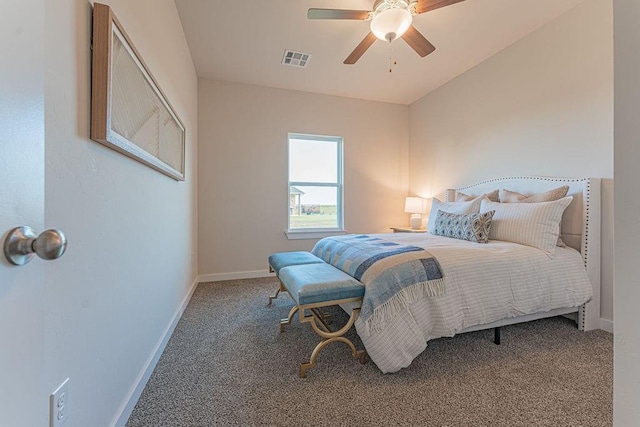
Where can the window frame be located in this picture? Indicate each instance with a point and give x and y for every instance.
(311, 233)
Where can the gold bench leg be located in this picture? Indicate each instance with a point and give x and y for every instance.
(274, 296)
(322, 317)
(287, 321)
(361, 355)
(280, 289)
(329, 337)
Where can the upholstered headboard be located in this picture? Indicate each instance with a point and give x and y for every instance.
(580, 224)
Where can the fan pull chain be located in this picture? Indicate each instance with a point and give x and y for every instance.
(393, 61)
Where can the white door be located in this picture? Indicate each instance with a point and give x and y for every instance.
(23, 400)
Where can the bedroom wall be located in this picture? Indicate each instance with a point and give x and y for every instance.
(131, 259)
(626, 359)
(242, 157)
(542, 106)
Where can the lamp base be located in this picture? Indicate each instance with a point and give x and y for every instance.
(416, 221)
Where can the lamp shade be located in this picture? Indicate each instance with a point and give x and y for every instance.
(415, 205)
(391, 24)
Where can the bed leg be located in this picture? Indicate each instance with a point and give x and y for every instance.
(496, 335)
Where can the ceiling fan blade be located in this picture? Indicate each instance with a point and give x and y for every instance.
(417, 42)
(427, 5)
(360, 49)
(337, 14)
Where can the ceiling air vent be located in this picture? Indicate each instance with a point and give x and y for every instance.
(295, 59)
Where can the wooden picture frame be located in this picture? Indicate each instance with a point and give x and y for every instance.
(129, 111)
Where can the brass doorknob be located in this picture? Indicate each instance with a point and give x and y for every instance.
(22, 244)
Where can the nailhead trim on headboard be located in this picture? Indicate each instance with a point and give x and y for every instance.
(538, 178)
(585, 243)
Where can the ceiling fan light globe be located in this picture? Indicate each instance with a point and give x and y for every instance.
(391, 24)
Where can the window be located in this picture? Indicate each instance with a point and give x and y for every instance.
(315, 184)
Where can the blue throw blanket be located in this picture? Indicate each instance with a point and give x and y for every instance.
(394, 275)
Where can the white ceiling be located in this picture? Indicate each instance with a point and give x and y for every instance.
(244, 41)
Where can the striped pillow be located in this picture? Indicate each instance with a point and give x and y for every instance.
(531, 224)
(460, 208)
(507, 196)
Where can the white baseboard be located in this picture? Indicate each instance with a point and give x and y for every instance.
(606, 325)
(236, 275)
(130, 401)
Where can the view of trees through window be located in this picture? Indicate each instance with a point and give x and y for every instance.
(315, 182)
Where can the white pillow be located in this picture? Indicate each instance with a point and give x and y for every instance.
(459, 208)
(531, 224)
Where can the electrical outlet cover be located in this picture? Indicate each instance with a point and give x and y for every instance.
(59, 405)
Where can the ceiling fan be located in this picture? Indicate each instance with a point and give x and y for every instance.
(390, 19)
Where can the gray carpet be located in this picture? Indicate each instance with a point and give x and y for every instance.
(227, 364)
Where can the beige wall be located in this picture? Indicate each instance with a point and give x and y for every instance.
(626, 350)
(542, 106)
(132, 231)
(242, 157)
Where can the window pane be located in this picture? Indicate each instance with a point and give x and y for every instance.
(313, 161)
(313, 207)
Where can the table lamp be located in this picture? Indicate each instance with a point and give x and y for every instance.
(415, 206)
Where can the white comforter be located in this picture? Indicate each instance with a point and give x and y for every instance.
(484, 283)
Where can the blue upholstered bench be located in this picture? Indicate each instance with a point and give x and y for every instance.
(287, 259)
(313, 285)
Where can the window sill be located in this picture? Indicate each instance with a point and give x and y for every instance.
(312, 234)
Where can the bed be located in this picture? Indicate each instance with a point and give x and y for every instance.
(494, 284)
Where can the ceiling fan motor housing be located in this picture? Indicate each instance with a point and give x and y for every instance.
(391, 15)
(390, 23)
(380, 5)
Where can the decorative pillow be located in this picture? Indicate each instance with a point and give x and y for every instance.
(531, 224)
(460, 208)
(461, 197)
(471, 227)
(507, 196)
